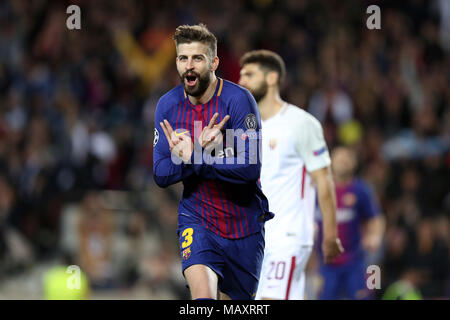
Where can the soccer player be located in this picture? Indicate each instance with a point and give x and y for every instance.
(358, 209)
(222, 211)
(295, 156)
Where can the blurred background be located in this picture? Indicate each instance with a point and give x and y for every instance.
(76, 130)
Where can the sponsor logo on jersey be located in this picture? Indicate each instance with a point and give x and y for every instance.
(291, 234)
(227, 152)
(345, 215)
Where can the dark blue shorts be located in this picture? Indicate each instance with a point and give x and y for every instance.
(237, 262)
(345, 281)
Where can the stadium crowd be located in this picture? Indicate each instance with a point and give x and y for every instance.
(76, 126)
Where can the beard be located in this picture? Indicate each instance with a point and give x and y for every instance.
(259, 92)
(200, 87)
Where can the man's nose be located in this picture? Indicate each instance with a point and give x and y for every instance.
(241, 82)
(189, 64)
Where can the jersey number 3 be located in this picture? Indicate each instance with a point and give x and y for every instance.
(187, 234)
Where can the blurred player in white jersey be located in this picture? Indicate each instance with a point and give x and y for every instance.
(295, 162)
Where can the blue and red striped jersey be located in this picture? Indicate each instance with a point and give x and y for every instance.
(356, 203)
(223, 196)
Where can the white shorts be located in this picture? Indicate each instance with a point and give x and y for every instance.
(283, 273)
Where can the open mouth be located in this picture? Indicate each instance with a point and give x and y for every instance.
(190, 80)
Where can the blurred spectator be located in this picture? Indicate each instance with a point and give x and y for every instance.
(65, 281)
(95, 230)
(333, 108)
(405, 288)
(431, 257)
(15, 251)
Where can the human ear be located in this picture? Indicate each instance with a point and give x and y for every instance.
(215, 64)
(272, 78)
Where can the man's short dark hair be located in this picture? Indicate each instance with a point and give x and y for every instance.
(196, 33)
(267, 60)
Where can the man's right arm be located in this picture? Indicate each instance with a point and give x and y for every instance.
(165, 171)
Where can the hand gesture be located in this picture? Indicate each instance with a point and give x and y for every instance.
(211, 134)
(180, 145)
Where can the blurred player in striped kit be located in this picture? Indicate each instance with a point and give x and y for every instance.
(358, 209)
(295, 157)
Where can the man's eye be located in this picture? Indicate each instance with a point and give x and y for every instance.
(198, 59)
(182, 58)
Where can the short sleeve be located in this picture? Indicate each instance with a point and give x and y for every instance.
(310, 143)
(368, 205)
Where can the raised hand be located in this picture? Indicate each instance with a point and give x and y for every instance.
(179, 145)
(212, 134)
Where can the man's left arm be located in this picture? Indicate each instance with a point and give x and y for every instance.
(331, 245)
(373, 233)
(312, 148)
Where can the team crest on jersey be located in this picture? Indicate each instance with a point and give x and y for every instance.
(250, 121)
(273, 143)
(349, 199)
(155, 137)
(186, 253)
